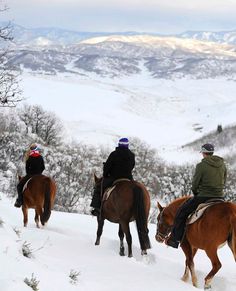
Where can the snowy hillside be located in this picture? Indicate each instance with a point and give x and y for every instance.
(66, 245)
(125, 55)
(219, 36)
(165, 114)
(62, 36)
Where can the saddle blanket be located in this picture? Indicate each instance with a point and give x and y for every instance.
(201, 209)
(26, 184)
(108, 191)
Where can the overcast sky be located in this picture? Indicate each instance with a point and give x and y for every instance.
(161, 16)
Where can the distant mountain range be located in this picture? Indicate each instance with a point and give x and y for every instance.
(62, 36)
(53, 50)
(228, 37)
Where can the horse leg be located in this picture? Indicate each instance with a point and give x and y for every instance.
(36, 218)
(189, 263)
(25, 214)
(121, 236)
(99, 230)
(216, 265)
(126, 230)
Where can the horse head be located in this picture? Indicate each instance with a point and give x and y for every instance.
(97, 180)
(164, 223)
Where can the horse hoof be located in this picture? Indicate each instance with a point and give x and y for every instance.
(97, 243)
(122, 254)
(208, 287)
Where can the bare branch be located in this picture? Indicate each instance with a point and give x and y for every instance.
(10, 92)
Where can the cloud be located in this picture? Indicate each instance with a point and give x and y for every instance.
(164, 16)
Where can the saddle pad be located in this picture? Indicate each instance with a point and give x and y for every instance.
(200, 210)
(107, 193)
(26, 184)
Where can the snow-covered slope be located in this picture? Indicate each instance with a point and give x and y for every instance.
(124, 55)
(165, 114)
(218, 36)
(67, 243)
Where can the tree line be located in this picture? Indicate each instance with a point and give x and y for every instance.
(72, 165)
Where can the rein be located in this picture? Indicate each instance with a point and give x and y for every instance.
(166, 228)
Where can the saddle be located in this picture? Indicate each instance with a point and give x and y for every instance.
(201, 209)
(109, 190)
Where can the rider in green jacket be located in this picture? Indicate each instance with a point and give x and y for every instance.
(208, 183)
(210, 177)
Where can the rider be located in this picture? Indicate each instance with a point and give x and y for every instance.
(119, 164)
(208, 183)
(34, 166)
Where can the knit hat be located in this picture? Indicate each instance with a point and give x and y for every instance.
(207, 148)
(123, 143)
(34, 147)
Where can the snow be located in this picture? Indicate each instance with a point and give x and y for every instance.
(192, 45)
(67, 243)
(165, 113)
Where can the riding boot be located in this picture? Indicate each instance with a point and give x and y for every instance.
(19, 200)
(172, 242)
(96, 200)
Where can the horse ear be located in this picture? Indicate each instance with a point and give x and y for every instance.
(19, 177)
(159, 206)
(95, 177)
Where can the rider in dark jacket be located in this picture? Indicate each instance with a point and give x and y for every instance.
(208, 183)
(34, 166)
(119, 164)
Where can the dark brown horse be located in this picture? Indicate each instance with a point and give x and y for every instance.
(216, 227)
(129, 201)
(39, 194)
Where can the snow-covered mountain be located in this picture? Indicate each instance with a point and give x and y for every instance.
(119, 56)
(228, 37)
(64, 37)
(53, 50)
(158, 86)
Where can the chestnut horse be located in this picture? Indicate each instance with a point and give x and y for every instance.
(129, 201)
(38, 193)
(216, 227)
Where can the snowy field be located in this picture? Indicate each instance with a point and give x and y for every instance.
(164, 113)
(67, 243)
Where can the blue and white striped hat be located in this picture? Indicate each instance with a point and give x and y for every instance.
(123, 143)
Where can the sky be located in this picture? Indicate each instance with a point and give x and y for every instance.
(166, 17)
(67, 244)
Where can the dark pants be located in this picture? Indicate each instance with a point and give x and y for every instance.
(98, 191)
(182, 214)
(20, 187)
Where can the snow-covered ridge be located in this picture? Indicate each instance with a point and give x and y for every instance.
(172, 42)
(228, 37)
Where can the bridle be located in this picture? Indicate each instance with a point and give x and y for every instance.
(166, 228)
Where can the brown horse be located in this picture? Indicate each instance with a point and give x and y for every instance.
(216, 227)
(129, 201)
(39, 194)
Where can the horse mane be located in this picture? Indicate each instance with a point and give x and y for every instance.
(171, 208)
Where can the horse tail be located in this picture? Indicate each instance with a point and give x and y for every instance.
(232, 237)
(141, 218)
(47, 201)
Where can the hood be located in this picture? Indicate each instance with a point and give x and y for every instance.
(214, 161)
